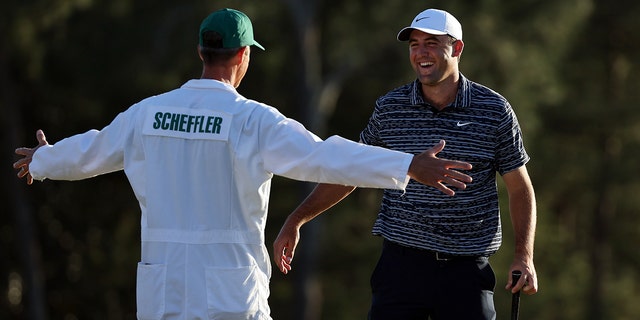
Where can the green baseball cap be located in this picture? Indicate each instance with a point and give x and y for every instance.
(234, 27)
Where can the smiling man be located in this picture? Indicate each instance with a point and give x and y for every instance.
(436, 248)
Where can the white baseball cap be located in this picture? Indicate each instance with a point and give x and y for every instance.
(433, 21)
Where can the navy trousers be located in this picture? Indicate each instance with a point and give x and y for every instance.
(410, 284)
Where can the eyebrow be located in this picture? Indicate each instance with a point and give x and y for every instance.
(427, 36)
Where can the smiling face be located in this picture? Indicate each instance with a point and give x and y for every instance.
(434, 58)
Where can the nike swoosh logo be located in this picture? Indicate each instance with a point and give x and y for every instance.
(422, 18)
(462, 124)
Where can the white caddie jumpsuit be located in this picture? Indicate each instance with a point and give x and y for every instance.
(200, 160)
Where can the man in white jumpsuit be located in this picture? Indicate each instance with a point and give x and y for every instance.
(200, 160)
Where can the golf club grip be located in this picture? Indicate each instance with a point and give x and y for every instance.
(515, 298)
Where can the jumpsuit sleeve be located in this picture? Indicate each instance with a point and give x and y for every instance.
(83, 155)
(291, 151)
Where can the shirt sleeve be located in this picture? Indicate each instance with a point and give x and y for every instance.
(370, 135)
(510, 151)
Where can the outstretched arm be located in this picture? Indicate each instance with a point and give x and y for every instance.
(23, 164)
(425, 168)
(323, 197)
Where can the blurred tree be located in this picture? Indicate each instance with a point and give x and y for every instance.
(600, 126)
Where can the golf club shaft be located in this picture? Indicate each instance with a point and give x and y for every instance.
(515, 299)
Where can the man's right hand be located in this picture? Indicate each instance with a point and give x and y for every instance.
(430, 170)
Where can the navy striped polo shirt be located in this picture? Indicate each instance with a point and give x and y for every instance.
(479, 127)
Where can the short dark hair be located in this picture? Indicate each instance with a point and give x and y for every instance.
(212, 49)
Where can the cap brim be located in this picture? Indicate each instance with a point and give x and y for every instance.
(255, 43)
(403, 35)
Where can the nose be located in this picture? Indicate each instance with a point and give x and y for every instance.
(422, 50)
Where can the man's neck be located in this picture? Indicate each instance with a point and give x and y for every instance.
(219, 73)
(441, 94)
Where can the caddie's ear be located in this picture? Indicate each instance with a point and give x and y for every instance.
(244, 52)
(199, 49)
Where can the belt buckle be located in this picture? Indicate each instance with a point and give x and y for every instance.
(439, 258)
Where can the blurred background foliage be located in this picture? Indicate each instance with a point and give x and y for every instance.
(68, 250)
